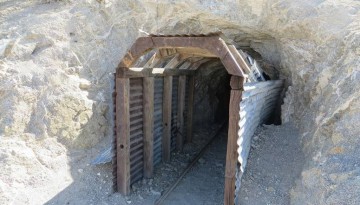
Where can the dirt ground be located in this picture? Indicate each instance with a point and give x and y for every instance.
(204, 184)
(93, 184)
(274, 165)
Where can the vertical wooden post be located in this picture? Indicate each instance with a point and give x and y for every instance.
(236, 84)
(181, 106)
(191, 91)
(148, 104)
(123, 135)
(167, 98)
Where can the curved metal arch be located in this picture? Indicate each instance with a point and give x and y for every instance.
(209, 46)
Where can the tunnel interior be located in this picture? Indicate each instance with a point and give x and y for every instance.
(212, 94)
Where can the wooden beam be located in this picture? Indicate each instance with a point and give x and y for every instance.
(151, 72)
(167, 99)
(153, 60)
(195, 52)
(212, 44)
(185, 65)
(148, 104)
(173, 62)
(239, 59)
(232, 154)
(122, 87)
(191, 92)
(181, 106)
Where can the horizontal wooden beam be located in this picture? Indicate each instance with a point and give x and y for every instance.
(151, 72)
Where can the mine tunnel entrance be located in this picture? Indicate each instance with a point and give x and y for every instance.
(165, 86)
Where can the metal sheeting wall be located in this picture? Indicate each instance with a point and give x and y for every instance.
(136, 123)
(183, 132)
(158, 118)
(258, 102)
(174, 110)
(136, 130)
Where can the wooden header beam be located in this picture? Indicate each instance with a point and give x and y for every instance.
(211, 46)
(151, 72)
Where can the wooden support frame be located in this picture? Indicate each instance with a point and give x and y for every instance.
(167, 98)
(191, 92)
(181, 107)
(148, 105)
(205, 46)
(151, 72)
(236, 84)
(213, 46)
(122, 87)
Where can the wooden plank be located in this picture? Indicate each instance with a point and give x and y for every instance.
(237, 83)
(181, 106)
(151, 72)
(166, 140)
(123, 135)
(232, 154)
(239, 59)
(191, 92)
(148, 93)
(185, 65)
(173, 62)
(153, 60)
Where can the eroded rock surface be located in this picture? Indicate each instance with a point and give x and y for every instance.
(56, 60)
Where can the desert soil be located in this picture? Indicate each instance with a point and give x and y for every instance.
(274, 164)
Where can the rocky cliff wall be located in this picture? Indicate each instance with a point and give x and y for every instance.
(56, 60)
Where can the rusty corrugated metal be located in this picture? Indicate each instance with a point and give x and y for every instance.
(158, 118)
(174, 110)
(186, 105)
(136, 130)
(114, 143)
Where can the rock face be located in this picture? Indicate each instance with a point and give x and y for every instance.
(56, 60)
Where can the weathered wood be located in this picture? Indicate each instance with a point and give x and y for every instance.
(148, 114)
(151, 72)
(185, 65)
(236, 83)
(123, 135)
(191, 92)
(212, 45)
(232, 154)
(239, 59)
(173, 62)
(181, 106)
(167, 98)
(155, 58)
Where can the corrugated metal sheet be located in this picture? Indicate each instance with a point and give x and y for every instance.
(158, 118)
(136, 130)
(258, 102)
(114, 143)
(186, 107)
(174, 110)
